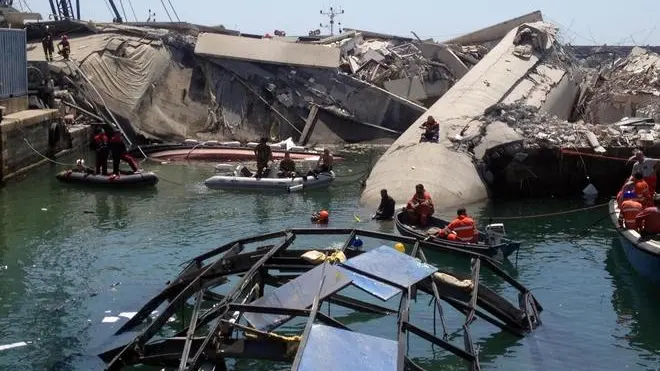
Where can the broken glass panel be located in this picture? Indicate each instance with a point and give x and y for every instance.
(297, 294)
(376, 288)
(332, 349)
(392, 266)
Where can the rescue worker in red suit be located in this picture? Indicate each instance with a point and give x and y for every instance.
(648, 221)
(100, 144)
(118, 149)
(642, 190)
(420, 206)
(463, 227)
(629, 210)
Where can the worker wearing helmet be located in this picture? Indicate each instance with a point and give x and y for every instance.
(630, 208)
(64, 47)
(322, 217)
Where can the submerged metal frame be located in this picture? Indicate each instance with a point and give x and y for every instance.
(187, 351)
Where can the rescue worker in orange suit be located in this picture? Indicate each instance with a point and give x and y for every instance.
(100, 146)
(647, 166)
(264, 154)
(629, 210)
(463, 226)
(642, 190)
(118, 149)
(420, 207)
(648, 221)
(431, 130)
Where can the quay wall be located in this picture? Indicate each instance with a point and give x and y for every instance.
(46, 134)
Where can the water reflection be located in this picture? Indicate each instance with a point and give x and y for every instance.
(635, 300)
(261, 206)
(102, 208)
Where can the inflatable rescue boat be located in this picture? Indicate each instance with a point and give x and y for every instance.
(124, 180)
(243, 179)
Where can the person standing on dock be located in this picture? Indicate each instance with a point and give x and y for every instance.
(420, 207)
(119, 152)
(101, 149)
(48, 44)
(386, 208)
(648, 221)
(647, 166)
(264, 155)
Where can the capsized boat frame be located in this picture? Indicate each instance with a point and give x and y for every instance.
(189, 350)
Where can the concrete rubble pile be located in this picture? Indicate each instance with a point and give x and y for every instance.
(539, 129)
(380, 60)
(417, 70)
(630, 87)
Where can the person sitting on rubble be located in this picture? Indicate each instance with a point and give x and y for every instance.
(119, 152)
(648, 221)
(420, 207)
(647, 166)
(264, 155)
(462, 229)
(386, 208)
(642, 190)
(287, 167)
(630, 208)
(64, 47)
(431, 130)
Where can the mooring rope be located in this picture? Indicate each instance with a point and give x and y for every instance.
(548, 214)
(571, 152)
(44, 156)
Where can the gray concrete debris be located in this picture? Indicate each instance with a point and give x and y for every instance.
(629, 87)
(540, 130)
(379, 61)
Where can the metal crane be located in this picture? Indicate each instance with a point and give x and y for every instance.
(62, 9)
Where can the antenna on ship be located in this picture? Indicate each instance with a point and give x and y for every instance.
(332, 14)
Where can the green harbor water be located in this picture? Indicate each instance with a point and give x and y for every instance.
(70, 255)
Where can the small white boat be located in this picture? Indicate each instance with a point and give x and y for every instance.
(239, 179)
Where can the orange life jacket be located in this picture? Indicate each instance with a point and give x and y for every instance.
(464, 227)
(642, 191)
(416, 199)
(629, 211)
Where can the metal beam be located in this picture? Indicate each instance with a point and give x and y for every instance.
(290, 237)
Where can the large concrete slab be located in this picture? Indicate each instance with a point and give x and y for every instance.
(449, 176)
(266, 51)
(495, 32)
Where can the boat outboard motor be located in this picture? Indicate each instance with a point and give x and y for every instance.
(242, 171)
(495, 232)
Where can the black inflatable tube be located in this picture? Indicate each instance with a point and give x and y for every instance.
(123, 181)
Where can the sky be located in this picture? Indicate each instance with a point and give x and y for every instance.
(581, 22)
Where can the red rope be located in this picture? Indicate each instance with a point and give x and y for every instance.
(570, 152)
